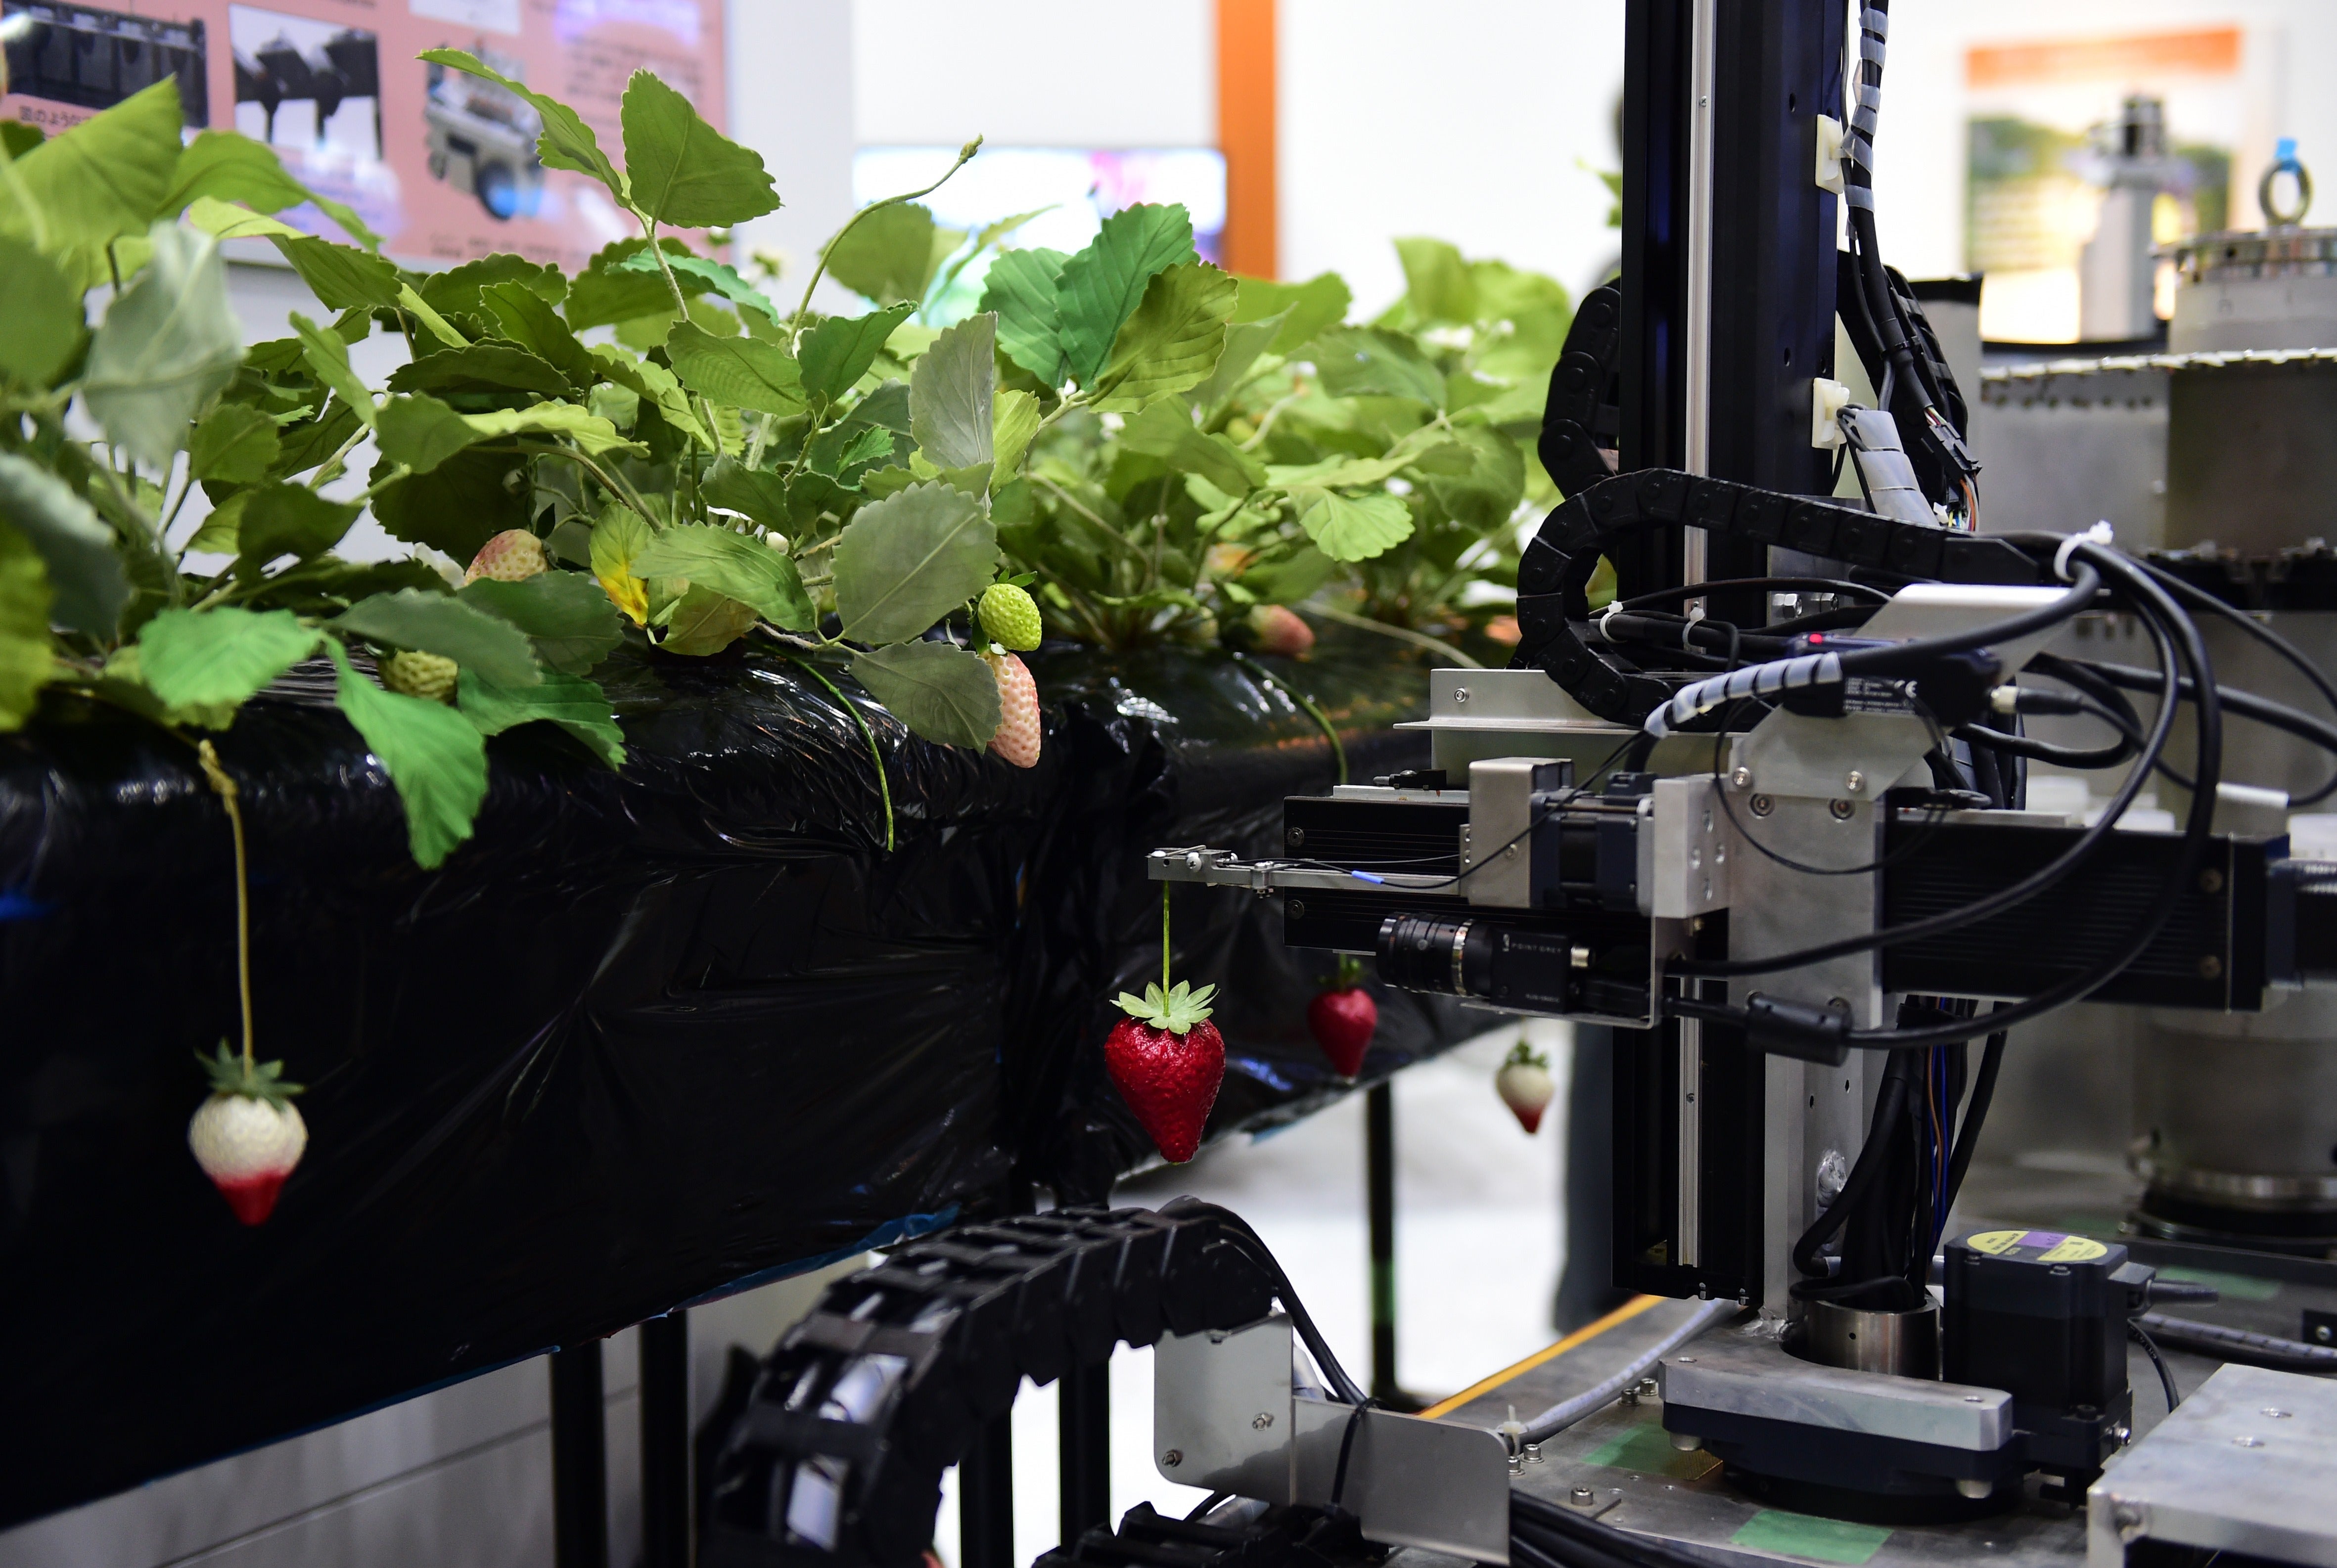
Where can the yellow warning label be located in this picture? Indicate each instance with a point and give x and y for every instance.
(2075, 1249)
(1996, 1244)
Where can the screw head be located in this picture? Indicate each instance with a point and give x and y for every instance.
(1174, 1457)
(1841, 810)
(2274, 1411)
(1742, 778)
(1762, 805)
(1261, 1421)
(1460, 696)
(1973, 1400)
(1295, 910)
(2211, 967)
(2211, 881)
(2248, 1442)
(1580, 1496)
(1855, 782)
(1296, 836)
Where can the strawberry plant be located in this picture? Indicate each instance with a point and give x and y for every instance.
(1119, 445)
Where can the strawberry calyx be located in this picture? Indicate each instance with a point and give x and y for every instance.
(1176, 1010)
(230, 1074)
(1350, 974)
(1523, 1055)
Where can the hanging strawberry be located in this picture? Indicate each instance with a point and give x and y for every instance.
(514, 555)
(1523, 1083)
(1018, 735)
(1344, 1018)
(247, 1137)
(1166, 1058)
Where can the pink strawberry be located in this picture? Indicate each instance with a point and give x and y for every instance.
(1017, 739)
(512, 556)
(1169, 1061)
(1343, 1022)
(247, 1137)
(1523, 1083)
(1279, 630)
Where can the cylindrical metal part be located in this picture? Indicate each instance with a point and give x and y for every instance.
(2250, 466)
(1905, 1344)
(2274, 289)
(2237, 1118)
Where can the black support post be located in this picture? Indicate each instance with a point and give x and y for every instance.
(985, 1498)
(665, 1441)
(1084, 1430)
(1379, 1182)
(579, 1460)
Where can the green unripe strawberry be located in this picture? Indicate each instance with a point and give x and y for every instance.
(424, 675)
(1010, 616)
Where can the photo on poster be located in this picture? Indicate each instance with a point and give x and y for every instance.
(65, 62)
(483, 138)
(312, 91)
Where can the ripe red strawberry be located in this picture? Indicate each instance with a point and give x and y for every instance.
(512, 556)
(1017, 739)
(1523, 1083)
(248, 1136)
(1169, 1061)
(1343, 1022)
(1279, 630)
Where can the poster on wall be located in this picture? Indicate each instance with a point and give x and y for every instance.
(2043, 140)
(441, 164)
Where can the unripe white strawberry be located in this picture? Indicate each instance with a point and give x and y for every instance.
(1524, 1084)
(1279, 630)
(424, 675)
(512, 556)
(247, 1137)
(1017, 739)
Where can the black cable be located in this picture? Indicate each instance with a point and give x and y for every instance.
(1797, 584)
(1889, 1105)
(2247, 706)
(2028, 887)
(1991, 1061)
(2165, 1378)
(1213, 1500)
(1347, 1443)
(2087, 760)
(2166, 619)
(1348, 1390)
(2199, 826)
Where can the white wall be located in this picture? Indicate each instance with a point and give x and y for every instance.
(1034, 72)
(2288, 57)
(1469, 120)
(792, 100)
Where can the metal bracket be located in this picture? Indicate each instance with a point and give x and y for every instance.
(1226, 1416)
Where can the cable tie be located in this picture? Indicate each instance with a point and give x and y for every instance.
(1875, 22)
(1869, 97)
(1609, 613)
(1870, 48)
(2101, 533)
(1859, 196)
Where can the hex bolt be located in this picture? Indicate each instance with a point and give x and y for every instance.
(1762, 805)
(1174, 1457)
(1841, 810)
(1581, 1497)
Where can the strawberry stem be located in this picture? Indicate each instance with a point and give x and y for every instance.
(226, 794)
(1164, 936)
(1338, 752)
(875, 754)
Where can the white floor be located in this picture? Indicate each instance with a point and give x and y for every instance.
(1478, 1246)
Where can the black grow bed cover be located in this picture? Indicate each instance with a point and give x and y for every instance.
(643, 1041)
